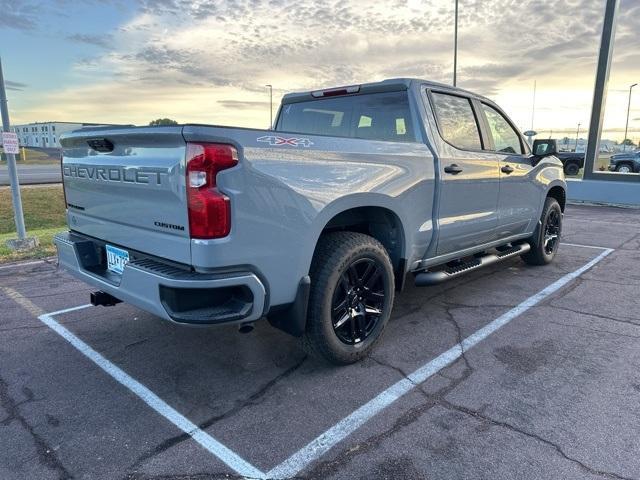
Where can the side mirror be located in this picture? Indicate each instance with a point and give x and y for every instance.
(544, 148)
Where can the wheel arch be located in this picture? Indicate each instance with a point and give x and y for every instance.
(559, 192)
(380, 221)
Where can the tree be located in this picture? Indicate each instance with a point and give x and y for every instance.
(628, 142)
(162, 121)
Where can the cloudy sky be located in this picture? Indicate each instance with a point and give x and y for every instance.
(207, 61)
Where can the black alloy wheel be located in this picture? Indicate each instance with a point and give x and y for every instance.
(358, 301)
(552, 231)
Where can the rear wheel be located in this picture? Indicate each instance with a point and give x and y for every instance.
(546, 240)
(571, 168)
(351, 297)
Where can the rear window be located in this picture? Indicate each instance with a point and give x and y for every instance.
(457, 121)
(375, 116)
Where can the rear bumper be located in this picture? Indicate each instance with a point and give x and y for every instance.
(167, 291)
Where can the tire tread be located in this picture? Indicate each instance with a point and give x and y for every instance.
(332, 253)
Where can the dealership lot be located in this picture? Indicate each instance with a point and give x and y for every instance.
(545, 385)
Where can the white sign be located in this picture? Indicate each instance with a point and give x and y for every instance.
(10, 142)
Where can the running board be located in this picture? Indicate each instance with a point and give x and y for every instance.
(425, 279)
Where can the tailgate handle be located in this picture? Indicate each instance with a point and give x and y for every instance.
(102, 145)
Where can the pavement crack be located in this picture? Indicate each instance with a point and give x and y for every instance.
(45, 453)
(402, 373)
(482, 416)
(327, 468)
(254, 399)
(630, 321)
(451, 318)
(597, 330)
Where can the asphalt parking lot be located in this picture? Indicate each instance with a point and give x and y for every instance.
(511, 372)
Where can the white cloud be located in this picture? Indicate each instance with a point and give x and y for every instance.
(195, 60)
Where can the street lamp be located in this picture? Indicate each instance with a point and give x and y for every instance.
(270, 106)
(626, 126)
(455, 45)
(577, 133)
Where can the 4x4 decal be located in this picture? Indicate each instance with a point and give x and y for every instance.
(277, 141)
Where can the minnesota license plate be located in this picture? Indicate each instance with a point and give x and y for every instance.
(116, 259)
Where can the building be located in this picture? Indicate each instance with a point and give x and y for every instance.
(46, 134)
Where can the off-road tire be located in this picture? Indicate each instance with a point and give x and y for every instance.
(334, 254)
(539, 253)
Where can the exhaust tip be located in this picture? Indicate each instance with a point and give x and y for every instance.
(246, 328)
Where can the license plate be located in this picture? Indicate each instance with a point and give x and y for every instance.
(116, 259)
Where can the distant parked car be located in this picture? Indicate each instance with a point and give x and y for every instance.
(625, 162)
(572, 162)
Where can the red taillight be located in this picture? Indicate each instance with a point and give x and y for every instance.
(209, 210)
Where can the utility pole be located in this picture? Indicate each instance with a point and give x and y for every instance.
(575, 149)
(455, 46)
(270, 106)
(626, 126)
(22, 242)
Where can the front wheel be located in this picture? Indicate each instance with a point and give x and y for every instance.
(624, 168)
(351, 297)
(546, 240)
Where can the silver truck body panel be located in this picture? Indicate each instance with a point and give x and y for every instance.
(121, 196)
(283, 195)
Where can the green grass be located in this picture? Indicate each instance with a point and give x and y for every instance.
(45, 249)
(44, 216)
(33, 157)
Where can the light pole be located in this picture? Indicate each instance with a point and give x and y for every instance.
(533, 104)
(270, 106)
(11, 165)
(455, 46)
(626, 126)
(575, 149)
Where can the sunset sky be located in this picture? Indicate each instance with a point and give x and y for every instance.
(207, 61)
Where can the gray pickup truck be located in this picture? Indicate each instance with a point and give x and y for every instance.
(315, 223)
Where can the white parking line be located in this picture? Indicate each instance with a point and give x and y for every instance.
(327, 440)
(323, 443)
(209, 443)
(584, 246)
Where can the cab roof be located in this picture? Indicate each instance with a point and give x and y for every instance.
(388, 85)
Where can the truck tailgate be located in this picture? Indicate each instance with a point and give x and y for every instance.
(126, 186)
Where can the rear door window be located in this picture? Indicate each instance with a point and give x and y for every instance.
(456, 121)
(375, 116)
(505, 138)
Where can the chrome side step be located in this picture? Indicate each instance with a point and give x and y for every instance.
(427, 278)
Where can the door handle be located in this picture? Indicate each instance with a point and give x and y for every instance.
(507, 169)
(453, 169)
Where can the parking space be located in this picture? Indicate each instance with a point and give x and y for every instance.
(509, 372)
